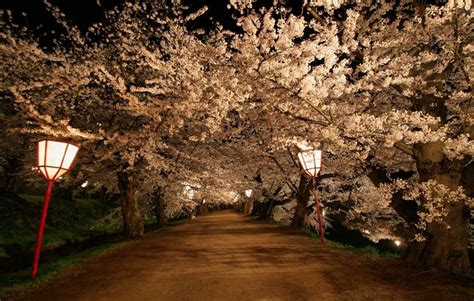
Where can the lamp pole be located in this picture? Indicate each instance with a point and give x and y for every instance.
(39, 239)
(318, 211)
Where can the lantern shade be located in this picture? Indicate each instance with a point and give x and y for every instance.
(55, 158)
(310, 160)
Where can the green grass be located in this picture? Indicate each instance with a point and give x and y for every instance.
(66, 220)
(17, 281)
(368, 250)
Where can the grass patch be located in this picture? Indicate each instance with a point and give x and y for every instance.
(368, 250)
(81, 218)
(19, 281)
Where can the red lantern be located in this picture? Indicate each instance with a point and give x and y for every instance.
(54, 159)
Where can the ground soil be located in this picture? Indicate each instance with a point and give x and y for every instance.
(226, 256)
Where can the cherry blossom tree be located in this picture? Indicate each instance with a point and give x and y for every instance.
(157, 105)
(379, 85)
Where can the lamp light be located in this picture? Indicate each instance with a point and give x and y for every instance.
(54, 159)
(310, 161)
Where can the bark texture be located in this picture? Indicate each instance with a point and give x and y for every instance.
(263, 209)
(444, 247)
(302, 197)
(132, 218)
(248, 207)
(159, 208)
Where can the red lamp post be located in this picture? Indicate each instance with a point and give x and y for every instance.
(310, 161)
(54, 159)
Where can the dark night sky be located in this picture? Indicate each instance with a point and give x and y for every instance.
(34, 15)
(83, 13)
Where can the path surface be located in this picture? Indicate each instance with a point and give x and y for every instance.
(226, 256)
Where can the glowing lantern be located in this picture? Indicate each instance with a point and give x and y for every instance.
(54, 160)
(310, 161)
(248, 193)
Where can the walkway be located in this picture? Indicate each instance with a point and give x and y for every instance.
(226, 256)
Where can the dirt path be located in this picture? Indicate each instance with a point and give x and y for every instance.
(226, 256)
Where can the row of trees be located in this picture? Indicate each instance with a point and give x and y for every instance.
(156, 101)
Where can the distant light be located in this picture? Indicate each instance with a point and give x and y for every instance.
(324, 212)
(204, 201)
(366, 231)
(397, 243)
(248, 193)
(84, 185)
(188, 191)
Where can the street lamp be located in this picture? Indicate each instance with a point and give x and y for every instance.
(310, 161)
(54, 159)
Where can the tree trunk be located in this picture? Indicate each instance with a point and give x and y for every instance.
(444, 247)
(302, 198)
(159, 208)
(68, 193)
(9, 179)
(132, 219)
(204, 208)
(262, 209)
(103, 198)
(248, 207)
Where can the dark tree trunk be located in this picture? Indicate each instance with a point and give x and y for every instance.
(444, 247)
(248, 207)
(68, 193)
(103, 198)
(132, 219)
(302, 198)
(159, 208)
(262, 209)
(8, 180)
(204, 208)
